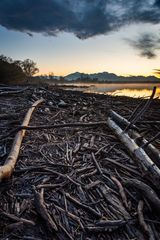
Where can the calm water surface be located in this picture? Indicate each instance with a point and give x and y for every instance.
(118, 89)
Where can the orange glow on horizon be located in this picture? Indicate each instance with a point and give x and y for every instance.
(65, 73)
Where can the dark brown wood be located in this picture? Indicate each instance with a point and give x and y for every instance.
(145, 191)
(42, 210)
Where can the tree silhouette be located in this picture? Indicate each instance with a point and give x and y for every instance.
(10, 72)
(16, 71)
(29, 67)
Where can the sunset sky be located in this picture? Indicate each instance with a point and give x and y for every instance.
(85, 36)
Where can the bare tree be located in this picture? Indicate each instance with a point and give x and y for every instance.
(29, 67)
(51, 75)
(6, 59)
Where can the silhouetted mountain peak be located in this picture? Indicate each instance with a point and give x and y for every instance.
(108, 77)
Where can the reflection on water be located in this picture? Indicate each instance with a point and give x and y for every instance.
(135, 93)
(122, 89)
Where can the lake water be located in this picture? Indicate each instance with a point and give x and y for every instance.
(118, 89)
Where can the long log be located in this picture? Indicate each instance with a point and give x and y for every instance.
(12, 92)
(122, 122)
(143, 160)
(7, 169)
(151, 150)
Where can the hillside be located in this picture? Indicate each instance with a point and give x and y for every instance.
(109, 77)
(10, 73)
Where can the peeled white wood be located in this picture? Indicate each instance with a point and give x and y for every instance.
(143, 160)
(150, 149)
(7, 169)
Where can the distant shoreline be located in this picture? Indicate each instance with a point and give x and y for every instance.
(108, 82)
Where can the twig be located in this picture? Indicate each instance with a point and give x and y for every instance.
(151, 140)
(87, 208)
(97, 164)
(146, 106)
(17, 219)
(42, 210)
(121, 191)
(141, 218)
(54, 126)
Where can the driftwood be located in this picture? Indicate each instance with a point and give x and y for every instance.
(42, 210)
(81, 170)
(54, 126)
(121, 191)
(17, 219)
(7, 169)
(83, 206)
(141, 218)
(122, 122)
(143, 110)
(106, 226)
(146, 192)
(144, 161)
(153, 152)
(6, 93)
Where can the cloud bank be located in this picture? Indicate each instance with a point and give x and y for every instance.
(157, 72)
(147, 44)
(84, 18)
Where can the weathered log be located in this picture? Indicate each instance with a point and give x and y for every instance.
(146, 192)
(152, 151)
(12, 92)
(7, 169)
(143, 160)
(122, 122)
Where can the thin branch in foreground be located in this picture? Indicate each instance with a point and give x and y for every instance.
(53, 126)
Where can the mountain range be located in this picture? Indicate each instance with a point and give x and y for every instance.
(109, 77)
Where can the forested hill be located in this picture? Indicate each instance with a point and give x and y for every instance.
(10, 73)
(16, 72)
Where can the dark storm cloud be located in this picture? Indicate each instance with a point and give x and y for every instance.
(147, 44)
(157, 2)
(46, 16)
(84, 18)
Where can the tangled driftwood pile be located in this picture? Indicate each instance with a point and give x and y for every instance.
(85, 169)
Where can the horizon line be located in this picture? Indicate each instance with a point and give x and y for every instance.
(89, 73)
